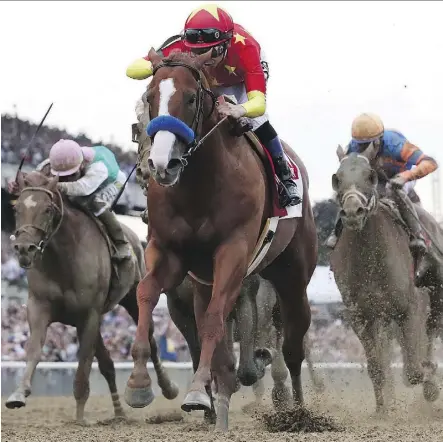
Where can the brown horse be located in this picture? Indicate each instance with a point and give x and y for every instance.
(70, 281)
(212, 201)
(374, 270)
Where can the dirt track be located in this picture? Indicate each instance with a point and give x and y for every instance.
(51, 419)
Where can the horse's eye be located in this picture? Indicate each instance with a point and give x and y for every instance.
(192, 99)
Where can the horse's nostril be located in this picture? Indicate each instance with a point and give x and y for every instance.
(16, 247)
(174, 163)
(32, 248)
(342, 213)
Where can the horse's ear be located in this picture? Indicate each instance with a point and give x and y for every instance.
(340, 152)
(335, 182)
(204, 59)
(52, 184)
(154, 57)
(21, 180)
(370, 152)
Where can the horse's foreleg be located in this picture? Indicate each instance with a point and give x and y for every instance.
(87, 333)
(230, 264)
(163, 273)
(281, 396)
(434, 324)
(38, 319)
(317, 382)
(413, 328)
(169, 389)
(107, 369)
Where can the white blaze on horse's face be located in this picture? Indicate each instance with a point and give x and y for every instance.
(164, 141)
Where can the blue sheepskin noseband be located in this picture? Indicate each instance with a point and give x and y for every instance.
(170, 124)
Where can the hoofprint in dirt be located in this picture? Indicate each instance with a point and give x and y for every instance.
(51, 420)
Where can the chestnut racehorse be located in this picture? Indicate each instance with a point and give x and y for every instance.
(209, 203)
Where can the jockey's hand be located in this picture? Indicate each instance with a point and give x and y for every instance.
(398, 181)
(13, 188)
(62, 187)
(235, 111)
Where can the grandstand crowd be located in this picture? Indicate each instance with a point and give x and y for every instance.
(332, 340)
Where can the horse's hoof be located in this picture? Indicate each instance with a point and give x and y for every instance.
(281, 398)
(196, 400)
(171, 392)
(431, 392)
(16, 400)
(139, 397)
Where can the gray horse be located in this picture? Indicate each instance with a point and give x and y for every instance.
(71, 281)
(374, 270)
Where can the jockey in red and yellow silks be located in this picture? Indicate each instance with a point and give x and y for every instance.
(240, 69)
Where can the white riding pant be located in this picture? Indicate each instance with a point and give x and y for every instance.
(239, 92)
(103, 198)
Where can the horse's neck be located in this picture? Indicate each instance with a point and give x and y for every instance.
(65, 239)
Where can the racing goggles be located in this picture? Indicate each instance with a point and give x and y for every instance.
(199, 36)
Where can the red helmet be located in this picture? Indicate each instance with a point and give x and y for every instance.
(207, 26)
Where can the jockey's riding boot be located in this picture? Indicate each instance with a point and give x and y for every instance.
(332, 239)
(117, 236)
(284, 173)
(417, 243)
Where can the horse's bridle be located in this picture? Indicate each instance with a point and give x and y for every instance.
(201, 91)
(370, 204)
(48, 233)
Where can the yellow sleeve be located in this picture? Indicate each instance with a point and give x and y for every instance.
(256, 104)
(139, 69)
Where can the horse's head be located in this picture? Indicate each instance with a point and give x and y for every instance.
(38, 216)
(356, 185)
(179, 100)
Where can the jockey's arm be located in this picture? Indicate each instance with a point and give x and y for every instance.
(94, 176)
(413, 156)
(141, 68)
(255, 82)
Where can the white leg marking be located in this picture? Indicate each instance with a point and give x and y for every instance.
(29, 202)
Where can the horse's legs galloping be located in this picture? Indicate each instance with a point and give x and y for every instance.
(38, 319)
(289, 275)
(169, 389)
(87, 334)
(230, 264)
(434, 326)
(107, 369)
(281, 396)
(164, 271)
(317, 382)
(185, 322)
(376, 338)
(413, 329)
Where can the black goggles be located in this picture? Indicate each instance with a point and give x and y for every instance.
(195, 36)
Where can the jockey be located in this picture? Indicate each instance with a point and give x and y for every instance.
(92, 176)
(240, 69)
(401, 161)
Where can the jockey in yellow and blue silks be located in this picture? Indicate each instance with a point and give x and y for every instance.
(401, 161)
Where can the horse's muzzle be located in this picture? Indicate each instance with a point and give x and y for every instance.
(26, 253)
(354, 219)
(166, 177)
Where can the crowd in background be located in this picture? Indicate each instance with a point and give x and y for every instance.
(331, 340)
(16, 134)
